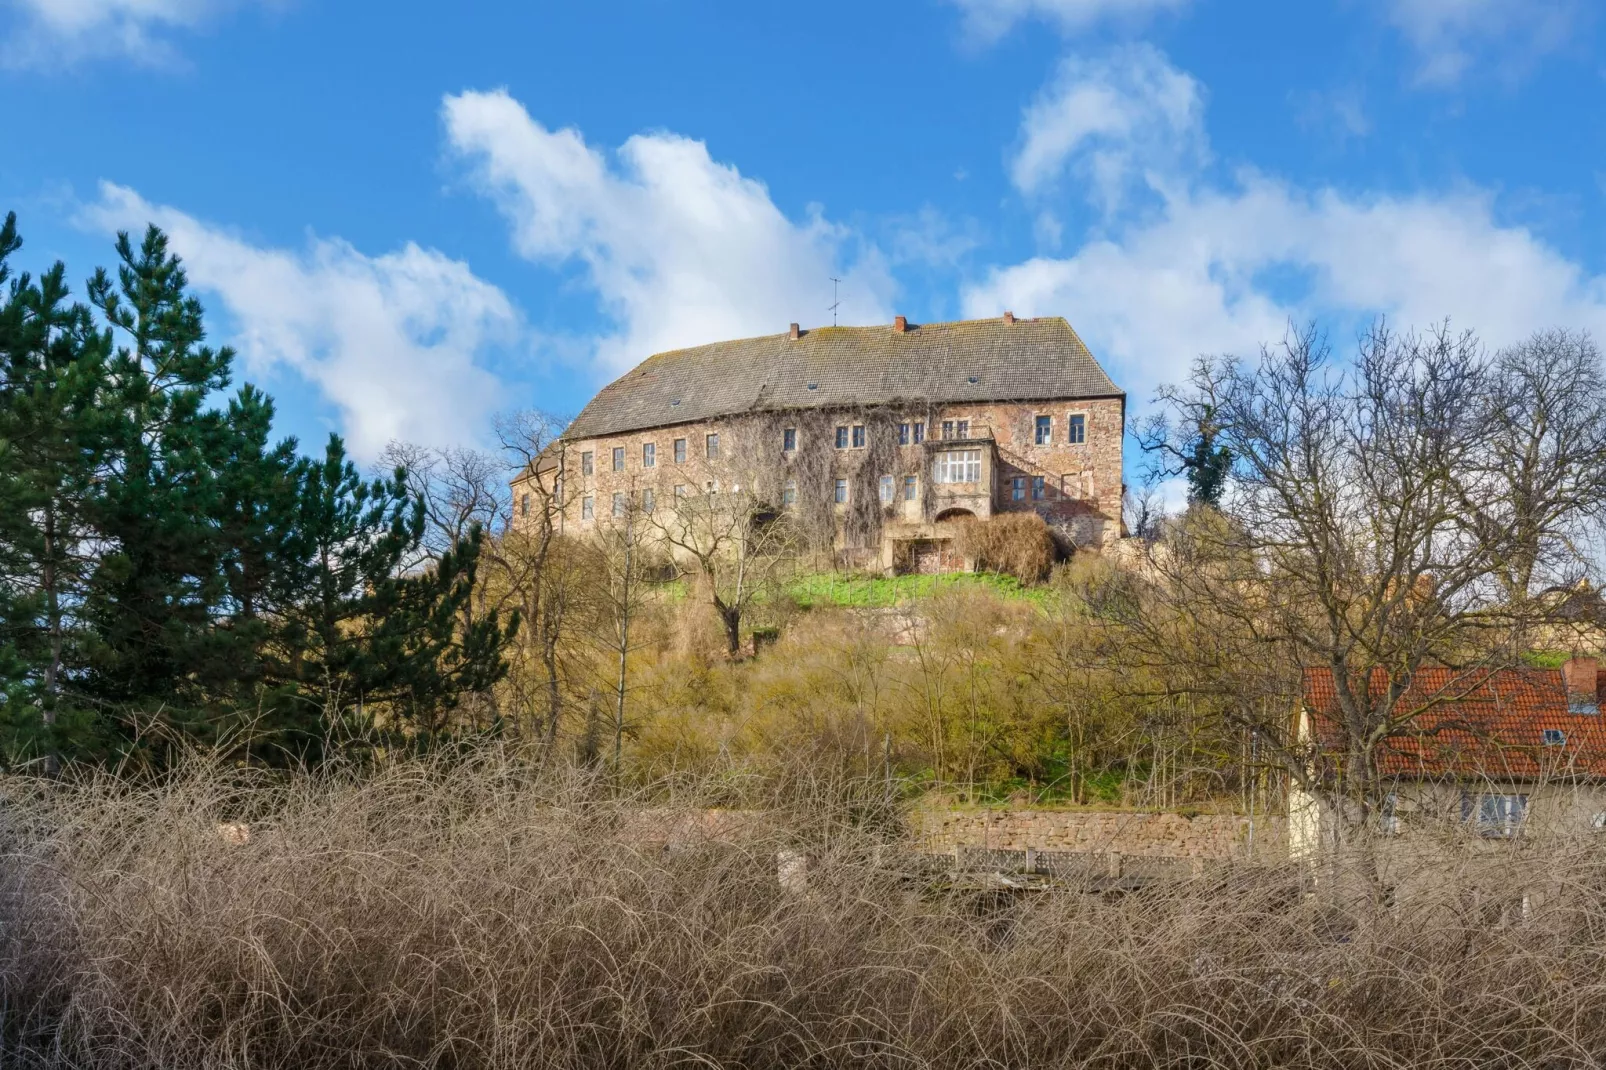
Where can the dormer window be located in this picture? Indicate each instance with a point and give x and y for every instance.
(1555, 737)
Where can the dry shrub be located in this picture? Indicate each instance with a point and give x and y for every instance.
(1015, 544)
(479, 914)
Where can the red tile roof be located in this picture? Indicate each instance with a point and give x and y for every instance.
(1488, 723)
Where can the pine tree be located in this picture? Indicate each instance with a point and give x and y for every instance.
(358, 637)
(52, 445)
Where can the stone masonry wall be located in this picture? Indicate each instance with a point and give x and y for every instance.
(1207, 836)
(1082, 482)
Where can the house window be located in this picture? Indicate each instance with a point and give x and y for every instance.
(586, 463)
(1044, 431)
(911, 488)
(680, 451)
(524, 505)
(649, 455)
(1555, 737)
(1017, 488)
(711, 446)
(842, 438)
(618, 503)
(858, 436)
(920, 433)
(886, 489)
(1039, 488)
(958, 466)
(903, 434)
(789, 492)
(840, 494)
(681, 490)
(947, 429)
(1496, 816)
(618, 458)
(588, 507)
(789, 439)
(1076, 429)
(647, 500)
(963, 427)
(557, 492)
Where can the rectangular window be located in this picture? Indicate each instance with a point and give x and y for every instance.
(649, 455)
(920, 433)
(911, 488)
(1017, 488)
(618, 458)
(947, 429)
(958, 466)
(711, 446)
(842, 438)
(963, 427)
(618, 503)
(524, 505)
(680, 451)
(789, 492)
(588, 507)
(1496, 816)
(647, 500)
(681, 490)
(903, 434)
(886, 489)
(586, 463)
(1038, 488)
(840, 494)
(1076, 429)
(557, 492)
(1044, 431)
(789, 439)
(858, 436)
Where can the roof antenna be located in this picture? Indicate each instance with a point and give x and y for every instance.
(835, 304)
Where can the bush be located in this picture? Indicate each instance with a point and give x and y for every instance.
(1015, 544)
(477, 913)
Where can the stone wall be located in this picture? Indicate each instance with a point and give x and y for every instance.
(1082, 482)
(1151, 835)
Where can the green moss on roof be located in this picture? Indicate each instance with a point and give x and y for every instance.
(1030, 359)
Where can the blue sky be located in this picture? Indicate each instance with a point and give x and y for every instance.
(408, 217)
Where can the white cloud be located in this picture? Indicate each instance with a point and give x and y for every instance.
(49, 31)
(991, 19)
(393, 341)
(1222, 268)
(678, 248)
(1453, 35)
(1115, 117)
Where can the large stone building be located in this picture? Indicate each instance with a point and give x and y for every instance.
(886, 436)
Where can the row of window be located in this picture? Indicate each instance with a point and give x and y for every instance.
(649, 454)
(848, 436)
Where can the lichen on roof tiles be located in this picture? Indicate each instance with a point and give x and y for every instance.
(938, 363)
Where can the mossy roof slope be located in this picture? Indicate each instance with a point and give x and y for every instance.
(832, 367)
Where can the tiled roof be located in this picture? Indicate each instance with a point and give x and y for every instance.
(974, 360)
(1476, 724)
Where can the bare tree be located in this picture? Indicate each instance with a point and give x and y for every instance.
(1409, 508)
(733, 538)
(624, 566)
(532, 545)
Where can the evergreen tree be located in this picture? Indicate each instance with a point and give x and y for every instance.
(53, 366)
(357, 635)
(1207, 462)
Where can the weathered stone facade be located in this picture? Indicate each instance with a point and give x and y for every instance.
(908, 470)
(1213, 837)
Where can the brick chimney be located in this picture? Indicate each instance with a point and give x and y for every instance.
(900, 324)
(1581, 676)
(793, 332)
(1009, 317)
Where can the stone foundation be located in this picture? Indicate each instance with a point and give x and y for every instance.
(1150, 835)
